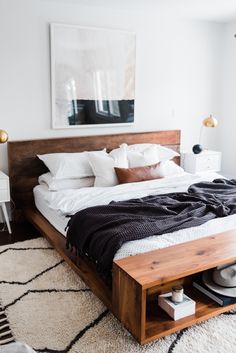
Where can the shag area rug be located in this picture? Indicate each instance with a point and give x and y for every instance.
(50, 308)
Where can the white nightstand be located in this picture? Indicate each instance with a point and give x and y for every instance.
(5, 197)
(206, 161)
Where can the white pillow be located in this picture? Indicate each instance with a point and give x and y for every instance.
(69, 165)
(103, 166)
(166, 153)
(120, 155)
(163, 152)
(54, 184)
(138, 147)
(143, 158)
(170, 168)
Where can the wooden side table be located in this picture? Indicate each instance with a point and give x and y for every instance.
(5, 197)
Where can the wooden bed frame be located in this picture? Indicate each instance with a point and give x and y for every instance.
(25, 167)
(137, 280)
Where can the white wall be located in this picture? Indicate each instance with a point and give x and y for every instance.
(227, 128)
(177, 68)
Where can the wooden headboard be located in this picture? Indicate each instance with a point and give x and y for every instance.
(25, 167)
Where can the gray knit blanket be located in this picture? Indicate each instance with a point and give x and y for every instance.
(98, 232)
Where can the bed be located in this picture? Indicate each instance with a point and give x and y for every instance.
(25, 167)
(131, 248)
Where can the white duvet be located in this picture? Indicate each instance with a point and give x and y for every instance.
(68, 202)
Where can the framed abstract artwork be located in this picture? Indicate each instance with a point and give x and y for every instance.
(92, 76)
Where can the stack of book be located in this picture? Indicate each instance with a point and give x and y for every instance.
(218, 298)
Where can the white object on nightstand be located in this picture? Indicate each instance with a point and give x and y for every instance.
(5, 197)
(206, 161)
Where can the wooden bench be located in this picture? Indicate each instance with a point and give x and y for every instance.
(138, 280)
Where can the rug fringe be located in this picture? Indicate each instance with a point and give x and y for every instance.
(5, 331)
(7, 340)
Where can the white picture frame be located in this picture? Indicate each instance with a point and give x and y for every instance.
(92, 76)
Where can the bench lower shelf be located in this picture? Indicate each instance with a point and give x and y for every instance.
(159, 324)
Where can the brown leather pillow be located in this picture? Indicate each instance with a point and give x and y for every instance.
(131, 175)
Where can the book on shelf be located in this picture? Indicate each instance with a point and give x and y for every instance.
(222, 300)
(177, 310)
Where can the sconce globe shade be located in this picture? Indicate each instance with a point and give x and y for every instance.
(197, 149)
(210, 122)
(3, 136)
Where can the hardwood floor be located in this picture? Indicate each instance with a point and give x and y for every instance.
(20, 232)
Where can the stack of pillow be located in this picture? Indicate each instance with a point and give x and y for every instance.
(128, 163)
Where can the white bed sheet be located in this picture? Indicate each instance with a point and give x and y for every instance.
(58, 220)
(71, 201)
(55, 205)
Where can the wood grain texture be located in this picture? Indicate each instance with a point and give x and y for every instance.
(126, 293)
(168, 264)
(25, 167)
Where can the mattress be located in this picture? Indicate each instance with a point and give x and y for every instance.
(54, 217)
(52, 206)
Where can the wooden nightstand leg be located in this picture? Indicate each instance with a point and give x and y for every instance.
(4, 209)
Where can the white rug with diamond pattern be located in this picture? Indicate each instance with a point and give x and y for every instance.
(49, 308)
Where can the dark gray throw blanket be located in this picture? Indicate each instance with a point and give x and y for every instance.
(99, 232)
